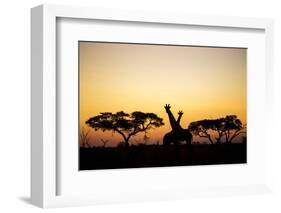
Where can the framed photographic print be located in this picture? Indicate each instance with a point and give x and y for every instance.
(148, 105)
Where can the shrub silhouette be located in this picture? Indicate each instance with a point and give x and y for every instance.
(127, 125)
(104, 142)
(84, 138)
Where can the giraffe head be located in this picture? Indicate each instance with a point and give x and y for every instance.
(167, 108)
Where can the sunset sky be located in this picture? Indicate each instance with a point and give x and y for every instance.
(204, 82)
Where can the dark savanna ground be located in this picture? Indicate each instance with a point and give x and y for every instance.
(159, 156)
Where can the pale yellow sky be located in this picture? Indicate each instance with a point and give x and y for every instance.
(204, 82)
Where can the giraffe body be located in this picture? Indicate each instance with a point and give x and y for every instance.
(175, 138)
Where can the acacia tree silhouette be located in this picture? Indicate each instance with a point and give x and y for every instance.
(127, 125)
(228, 127)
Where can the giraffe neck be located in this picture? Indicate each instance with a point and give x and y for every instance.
(179, 119)
(172, 120)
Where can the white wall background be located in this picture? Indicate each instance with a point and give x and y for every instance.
(15, 104)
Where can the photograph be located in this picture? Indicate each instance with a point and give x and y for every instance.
(159, 105)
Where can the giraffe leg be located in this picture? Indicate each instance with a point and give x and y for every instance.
(188, 137)
(166, 140)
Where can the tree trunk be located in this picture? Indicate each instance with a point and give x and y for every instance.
(126, 139)
(127, 142)
(219, 139)
(210, 139)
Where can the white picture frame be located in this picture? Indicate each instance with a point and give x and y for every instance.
(44, 149)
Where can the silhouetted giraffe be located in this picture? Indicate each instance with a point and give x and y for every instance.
(174, 124)
(178, 133)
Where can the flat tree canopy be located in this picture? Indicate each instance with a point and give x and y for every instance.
(228, 128)
(127, 125)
